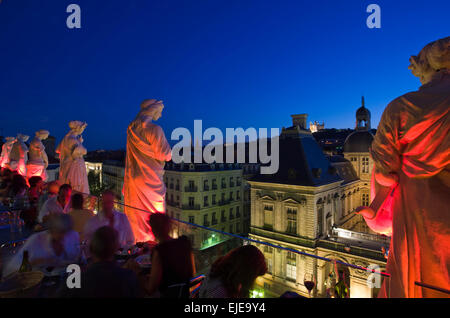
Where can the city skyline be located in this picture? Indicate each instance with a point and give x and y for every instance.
(252, 66)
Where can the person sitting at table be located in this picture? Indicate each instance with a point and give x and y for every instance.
(110, 217)
(36, 187)
(49, 190)
(173, 263)
(56, 247)
(79, 215)
(103, 277)
(233, 275)
(56, 205)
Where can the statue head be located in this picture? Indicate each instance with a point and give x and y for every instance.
(42, 134)
(152, 108)
(77, 126)
(433, 58)
(23, 138)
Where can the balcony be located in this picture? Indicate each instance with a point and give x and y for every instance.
(190, 189)
(224, 202)
(191, 206)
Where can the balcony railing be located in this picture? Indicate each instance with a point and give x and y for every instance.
(257, 236)
(191, 206)
(190, 189)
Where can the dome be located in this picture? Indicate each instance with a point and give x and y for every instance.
(358, 141)
(363, 113)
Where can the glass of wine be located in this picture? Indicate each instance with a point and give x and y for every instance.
(310, 282)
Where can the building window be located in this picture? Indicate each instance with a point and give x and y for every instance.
(222, 216)
(177, 186)
(224, 185)
(214, 185)
(214, 220)
(291, 221)
(365, 165)
(213, 199)
(365, 199)
(191, 219)
(231, 196)
(191, 201)
(291, 266)
(205, 200)
(269, 262)
(268, 216)
(238, 213)
(238, 228)
(205, 220)
(205, 185)
(231, 228)
(231, 214)
(238, 195)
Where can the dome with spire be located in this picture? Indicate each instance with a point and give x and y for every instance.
(361, 139)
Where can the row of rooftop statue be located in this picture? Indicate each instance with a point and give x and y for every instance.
(410, 181)
(32, 160)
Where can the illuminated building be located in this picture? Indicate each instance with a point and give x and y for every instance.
(113, 172)
(95, 167)
(302, 207)
(210, 195)
(316, 126)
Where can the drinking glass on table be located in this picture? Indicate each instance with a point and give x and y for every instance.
(310, 282)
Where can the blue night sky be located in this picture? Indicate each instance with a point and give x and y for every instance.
(231, 63)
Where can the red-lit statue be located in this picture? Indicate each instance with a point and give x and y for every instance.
(18, 156)
(37, 157)
(72, 168)
(411, 180)
(147, 152)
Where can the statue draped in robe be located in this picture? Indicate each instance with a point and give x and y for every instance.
(147, 151)
(72, 168)
(411, 152)
(6, 150)
(37, 157)
(18, 156)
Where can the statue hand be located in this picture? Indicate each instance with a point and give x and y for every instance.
(366, 212)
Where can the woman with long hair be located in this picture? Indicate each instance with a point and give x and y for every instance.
(233, 275)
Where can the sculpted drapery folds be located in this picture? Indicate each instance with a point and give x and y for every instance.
(18, 156)
(71, 151)
(37, 157)
(6, 151)
(147, 152)
(412, 177)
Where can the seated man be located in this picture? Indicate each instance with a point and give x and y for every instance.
(110, 217)
(56, 205)
(104, 278)
(50, 190)
(57, 247)
(79, 215)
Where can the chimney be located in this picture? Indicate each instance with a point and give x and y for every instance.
(300, 120)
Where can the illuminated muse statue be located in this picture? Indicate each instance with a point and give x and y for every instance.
(72, 168)
(6, 150)
(147, 151)
(18, 156)
(411, 179)
(37, 157)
